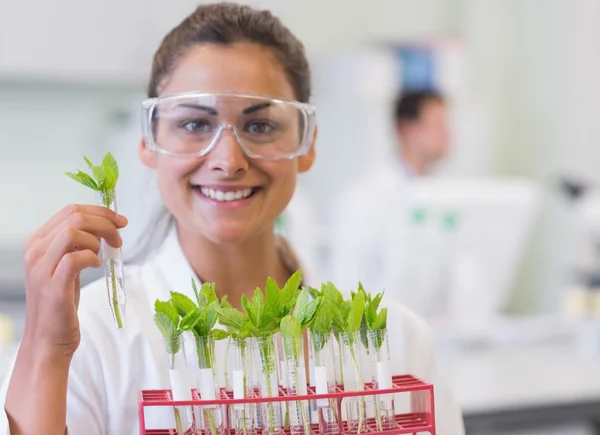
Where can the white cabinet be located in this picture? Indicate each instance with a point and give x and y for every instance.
(102, 41)
(69, 40)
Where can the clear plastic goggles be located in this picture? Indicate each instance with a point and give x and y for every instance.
(191, 124)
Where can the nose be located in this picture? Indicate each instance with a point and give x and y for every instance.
(227, 156)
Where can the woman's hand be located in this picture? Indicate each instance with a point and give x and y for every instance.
(55, 255)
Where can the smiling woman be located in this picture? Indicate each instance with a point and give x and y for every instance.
(227, 127)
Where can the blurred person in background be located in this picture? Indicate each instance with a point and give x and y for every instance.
(421, 125)
(367, 219)
(228, 128)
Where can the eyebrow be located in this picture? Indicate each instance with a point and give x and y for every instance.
(256, 107)
(209, 110)
(212, 111)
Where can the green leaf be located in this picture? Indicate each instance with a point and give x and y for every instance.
(168, 310)
(219, 334)
(182, 303)
(248, 309)
(323, 318)
(168, 331)
(232, 318)
(89, 163)
(212, 312)
(381, 321)
(313, 292)
(305, 311)
(110, 180)
(377, 300)
(274, 297)
(110, 162)
(301, 305)
(208, 292)
(370, 314)
(331, 293)
(290, 292)
(100, 175)
(268, 323)
(355, 314)
(190, 320)
(258, 306)
(225, 303)
(83, 178)
(290, 327)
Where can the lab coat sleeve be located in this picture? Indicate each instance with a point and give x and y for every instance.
(86, 403)
(415, 352)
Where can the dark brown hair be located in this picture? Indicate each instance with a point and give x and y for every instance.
(409, 105)
(226, 24)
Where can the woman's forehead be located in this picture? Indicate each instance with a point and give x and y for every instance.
(241, 68)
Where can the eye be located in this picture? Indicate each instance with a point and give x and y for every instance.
(260, 127)
(197, 126)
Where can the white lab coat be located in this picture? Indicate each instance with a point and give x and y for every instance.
(111, 367)
(301, 227)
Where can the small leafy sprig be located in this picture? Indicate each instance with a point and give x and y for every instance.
(292, 325)
(168, 323)
(373, 320)
(104, 177)
(331, 300)
(265, 314)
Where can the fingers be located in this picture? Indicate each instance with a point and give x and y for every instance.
(99, 226)
(71, 265)
(69, 240)
(75, 209)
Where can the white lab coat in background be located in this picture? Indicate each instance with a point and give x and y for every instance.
(367, 223)
(111, 366)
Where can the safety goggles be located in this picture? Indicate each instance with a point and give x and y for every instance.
(191, 124)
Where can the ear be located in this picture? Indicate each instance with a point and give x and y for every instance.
(146, 155)
(306, 161)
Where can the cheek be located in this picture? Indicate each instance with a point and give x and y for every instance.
(172, 174)
(283, 176)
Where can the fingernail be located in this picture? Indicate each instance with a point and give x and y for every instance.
(122, 219)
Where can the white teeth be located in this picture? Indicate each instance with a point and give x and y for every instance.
(230, 195)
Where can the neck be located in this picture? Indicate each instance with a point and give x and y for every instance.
(414, 162)
(237, 268)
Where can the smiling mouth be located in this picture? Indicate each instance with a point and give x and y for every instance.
(226, 195)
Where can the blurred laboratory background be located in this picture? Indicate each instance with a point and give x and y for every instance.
(474, 200)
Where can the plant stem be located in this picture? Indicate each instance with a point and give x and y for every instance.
(245, 377)
(211, 421)
(301, 405)
(178, 422)
(378, 412)
(226, 360)
(264, 355)
(361, 408)
(340, 358)
(115, 300)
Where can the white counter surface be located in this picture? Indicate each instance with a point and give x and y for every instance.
(519, 374)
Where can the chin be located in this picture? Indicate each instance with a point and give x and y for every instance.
(229, 234)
